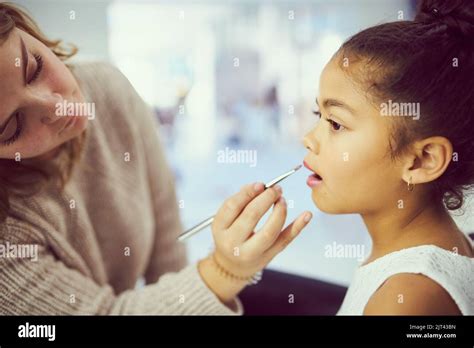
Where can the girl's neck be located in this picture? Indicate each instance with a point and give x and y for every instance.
(403, 228)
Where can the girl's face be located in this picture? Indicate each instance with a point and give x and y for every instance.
(349, 149)
(33, 80)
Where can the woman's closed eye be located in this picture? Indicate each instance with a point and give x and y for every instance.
(13, 130)
(336, 127)
(39, 68)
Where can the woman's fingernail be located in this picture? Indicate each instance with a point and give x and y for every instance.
(257, 186)
(281, 200)
(278, 188)
(307, 216)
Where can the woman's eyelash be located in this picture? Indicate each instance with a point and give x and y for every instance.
(39, 63)
(16, 135)
(335, 126)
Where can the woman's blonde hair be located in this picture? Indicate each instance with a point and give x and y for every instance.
(28, 176)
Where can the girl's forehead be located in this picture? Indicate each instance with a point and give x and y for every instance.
(337, 83)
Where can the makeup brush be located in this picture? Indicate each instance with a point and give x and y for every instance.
(193, 230)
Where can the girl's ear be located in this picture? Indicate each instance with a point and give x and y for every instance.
(427, 160)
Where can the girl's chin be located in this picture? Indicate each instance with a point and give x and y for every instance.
(318, 202)
(321, 202)
(328, 207)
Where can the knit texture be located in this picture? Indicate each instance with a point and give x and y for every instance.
(116, 221)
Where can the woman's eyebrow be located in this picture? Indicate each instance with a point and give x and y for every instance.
(336, 103)
(24, 64)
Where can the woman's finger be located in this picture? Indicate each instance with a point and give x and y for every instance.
(234, 205)
(270, 231)
(253, 212)
(287, 235)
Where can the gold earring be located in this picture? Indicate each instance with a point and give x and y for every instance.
(410, 186)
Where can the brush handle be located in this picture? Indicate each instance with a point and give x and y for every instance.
(196, 229)
(193, 230)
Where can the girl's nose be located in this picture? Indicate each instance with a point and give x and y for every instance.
(310, 143)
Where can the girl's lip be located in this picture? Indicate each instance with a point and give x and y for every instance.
(313, 181)
(308, 167)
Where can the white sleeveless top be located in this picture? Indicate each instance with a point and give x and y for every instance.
(455, 273)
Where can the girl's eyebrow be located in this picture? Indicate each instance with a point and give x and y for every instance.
(336, 103)
(24, 64)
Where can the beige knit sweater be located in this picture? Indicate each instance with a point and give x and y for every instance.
(116, 221)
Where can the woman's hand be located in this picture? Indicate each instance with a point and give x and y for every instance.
(239, 250)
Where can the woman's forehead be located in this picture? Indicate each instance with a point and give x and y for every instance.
(12, 73)
(10, 60)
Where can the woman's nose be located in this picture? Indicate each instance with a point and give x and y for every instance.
(48, 107)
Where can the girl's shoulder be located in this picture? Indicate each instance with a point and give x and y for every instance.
(422, 280)
(425, 279)
(411, 294)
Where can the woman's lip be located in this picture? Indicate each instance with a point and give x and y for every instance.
(69, 123)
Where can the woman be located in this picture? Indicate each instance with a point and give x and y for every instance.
(84, 183)
(402, 171)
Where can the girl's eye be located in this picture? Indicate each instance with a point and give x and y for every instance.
(335, 126)
(17, 132)
(39, 67)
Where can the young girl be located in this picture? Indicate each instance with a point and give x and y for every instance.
(396, 146)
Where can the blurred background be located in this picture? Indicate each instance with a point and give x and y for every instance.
(233, 84)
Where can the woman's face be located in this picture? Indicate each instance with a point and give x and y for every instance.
(33, 80)
(350, 152)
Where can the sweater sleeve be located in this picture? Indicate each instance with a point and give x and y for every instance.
(45, 285)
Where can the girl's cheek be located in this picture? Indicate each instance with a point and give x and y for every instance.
(352, 158)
